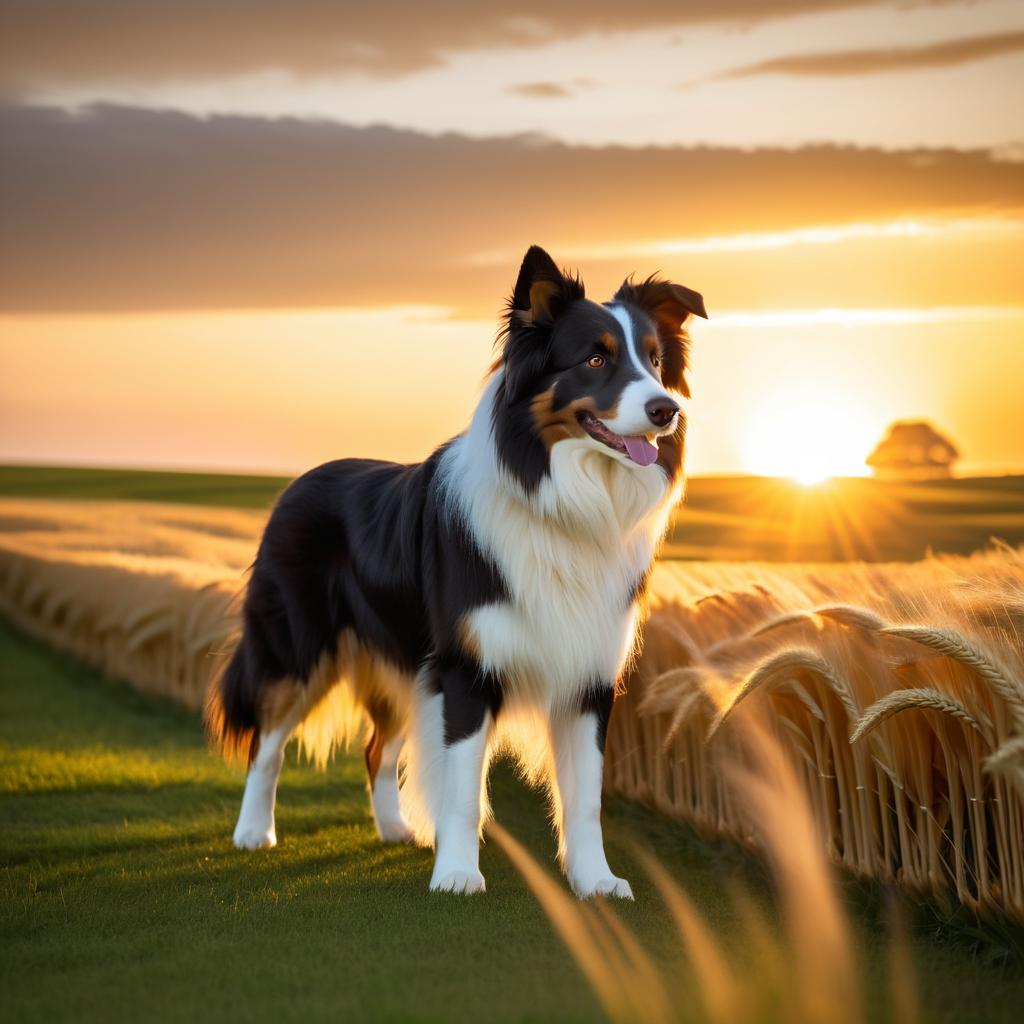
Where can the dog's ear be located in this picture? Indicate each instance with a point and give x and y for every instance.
(541, 293)
(669, 305)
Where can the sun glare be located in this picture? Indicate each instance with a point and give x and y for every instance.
(810, 476)
(807, 438)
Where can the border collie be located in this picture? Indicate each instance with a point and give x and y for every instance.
(487, 597)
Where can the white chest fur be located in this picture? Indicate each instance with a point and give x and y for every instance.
(571, 618)
(571, 556)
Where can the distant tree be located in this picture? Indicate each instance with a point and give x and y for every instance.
(913, 449)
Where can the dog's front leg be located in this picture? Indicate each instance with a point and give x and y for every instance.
(578, 742)
(470, 702)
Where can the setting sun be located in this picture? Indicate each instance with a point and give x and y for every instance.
(808, 436)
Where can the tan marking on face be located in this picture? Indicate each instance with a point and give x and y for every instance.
(554, 425)
(650, 345)
(602, 414)
(611, 343)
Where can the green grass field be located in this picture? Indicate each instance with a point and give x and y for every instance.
(723, 518)
(122, 896)
(232, 490)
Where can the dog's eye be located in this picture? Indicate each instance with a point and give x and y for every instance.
(595, 362)
(655, 360)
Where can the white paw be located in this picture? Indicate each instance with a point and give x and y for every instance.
(610, 886)
(395, 831)
(458, 881)
(248, 838)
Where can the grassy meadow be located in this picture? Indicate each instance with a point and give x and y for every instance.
(122, 894)
(230, 490)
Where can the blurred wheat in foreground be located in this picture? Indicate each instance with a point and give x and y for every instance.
(897, 690)
(806, 971)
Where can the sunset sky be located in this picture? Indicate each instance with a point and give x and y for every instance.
(261, 235)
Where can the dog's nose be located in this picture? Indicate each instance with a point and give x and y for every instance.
(661, 410)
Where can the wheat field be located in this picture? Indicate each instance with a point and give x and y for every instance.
(896, 690)
(146, 592)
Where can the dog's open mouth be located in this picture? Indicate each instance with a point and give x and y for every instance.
(639, 449)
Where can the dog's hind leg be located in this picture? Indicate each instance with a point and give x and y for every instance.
(255, 826)
(382, 752)
(578, 742)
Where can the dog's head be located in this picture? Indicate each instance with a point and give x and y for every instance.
(610, 375)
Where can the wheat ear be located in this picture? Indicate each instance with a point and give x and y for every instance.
(907, 700)
(957, 647)
(789, 662)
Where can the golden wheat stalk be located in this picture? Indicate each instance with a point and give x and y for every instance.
(913, 699)
(852, 616)
(772, 625)
(957, 647)
(784, 667)
(662, 692)
(1008, 761)
(607, 968)
(720, 992)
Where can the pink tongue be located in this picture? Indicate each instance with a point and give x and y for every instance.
(640, 450)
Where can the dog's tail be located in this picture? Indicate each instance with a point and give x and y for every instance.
(231, 711)
(245, 695)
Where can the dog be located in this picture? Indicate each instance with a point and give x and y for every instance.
(488, 597)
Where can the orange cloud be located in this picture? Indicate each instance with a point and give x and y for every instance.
(119, 208)
(90, 41)
(541, 90)
(949, 53)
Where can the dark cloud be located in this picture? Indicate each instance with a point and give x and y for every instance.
(106, 41)
(120, 208)
(541, 90)
(863, 62)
